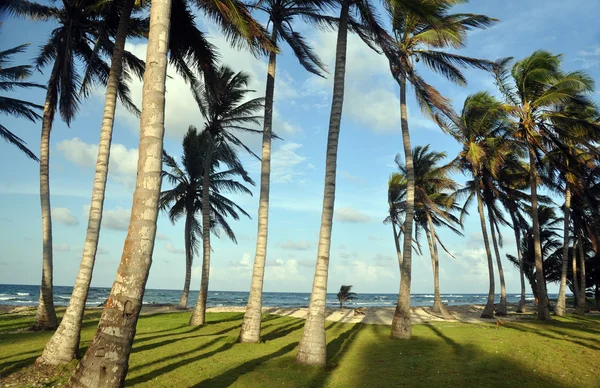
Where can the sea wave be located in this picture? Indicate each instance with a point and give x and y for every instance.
(63, 297)
(7, 298)
(23, 293)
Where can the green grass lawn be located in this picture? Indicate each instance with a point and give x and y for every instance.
(168, 353)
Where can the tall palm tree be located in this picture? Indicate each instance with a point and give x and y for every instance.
(533, 89)
(84, 29)
(434, 205)
(222, 101)
(11, 78)
(185, 197)
(419, 38)
(117, 325)
(282, 14)
(480, 129)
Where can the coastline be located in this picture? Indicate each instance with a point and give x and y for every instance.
(372, 315)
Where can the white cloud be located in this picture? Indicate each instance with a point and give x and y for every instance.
(102, 251)
(62, 215)
(593, 52)
(117, 219)
(122, 164)
(286, 164)
(61, 247)
(171, 249)
(161, 236)
(353, 178)
(301, 245)
(350, 215)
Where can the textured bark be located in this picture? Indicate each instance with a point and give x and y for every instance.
(438, 306)
(401, 324)
(521, 308)
(543, 308)
(189, 259)
(312, 349)
(488, 311)
(581, 299)
(574, 270)
(397, 243)
(45, 317)
(199, 314)
(502, 309)
(562, 290)
(250, 331)
(64, 344)
(106, 361)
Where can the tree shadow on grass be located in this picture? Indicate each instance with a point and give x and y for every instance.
(282, 331)
(561, 336)
(229, 377)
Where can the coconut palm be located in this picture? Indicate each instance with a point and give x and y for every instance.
(115, 334)
(533, 89)
(396, 201)
(11, 78)
(282, 14)
(434, 205)
(223, 104)
(84, 30)
(184, 199)
(345, 295)
(419, 38)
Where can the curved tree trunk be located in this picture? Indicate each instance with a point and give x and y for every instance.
(64, 344)
(312, 348)
(397, 242)
(522, 307)
(199, 314)
(401, 324)
(45, 318)
(543, 309)
(189, 258)
(562, 290)
(502, 309)
(438, 306)
(488, 311)
(581, 299)
(106, 361)
(250, 331)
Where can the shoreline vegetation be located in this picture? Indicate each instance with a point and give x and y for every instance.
(470, 352)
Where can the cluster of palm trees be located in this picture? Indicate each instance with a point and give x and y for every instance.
(543, 132)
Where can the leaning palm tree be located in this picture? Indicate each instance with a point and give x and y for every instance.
(480, 129)
(184, 199)
(84, 30)
(535, 89)
(222, 101)
(117, 324)
(345, 295)
(418, 38)
(282, 14)
(11, 78)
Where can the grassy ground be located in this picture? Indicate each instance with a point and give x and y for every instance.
(166, 352)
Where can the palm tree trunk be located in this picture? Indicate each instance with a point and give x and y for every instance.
(401, 324)
(312, 348)
(502, 309)
(488, 311)
(45, 318)
(106, 361)
(397, 242)
(562, 290)
(581, 300)
(521, 308)
(183, 302)
(543, 310)
(199, 314)
(250, 331)
(438, 305)
(574, 269)
(63, 346)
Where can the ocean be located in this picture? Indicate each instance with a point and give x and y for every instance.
(27, 295)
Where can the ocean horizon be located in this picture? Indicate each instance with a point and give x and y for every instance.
(28, 295)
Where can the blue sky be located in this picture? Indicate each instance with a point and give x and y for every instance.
(362, 252)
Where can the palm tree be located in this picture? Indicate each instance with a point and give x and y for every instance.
(414, 37)
(480, 129)
(11, 78)
(281, 13)
(84, 30)
(434, 204)
(345, 295)
(533, 90)
(221, 102)
(115, 334)
(396, 201)
(185, 198)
